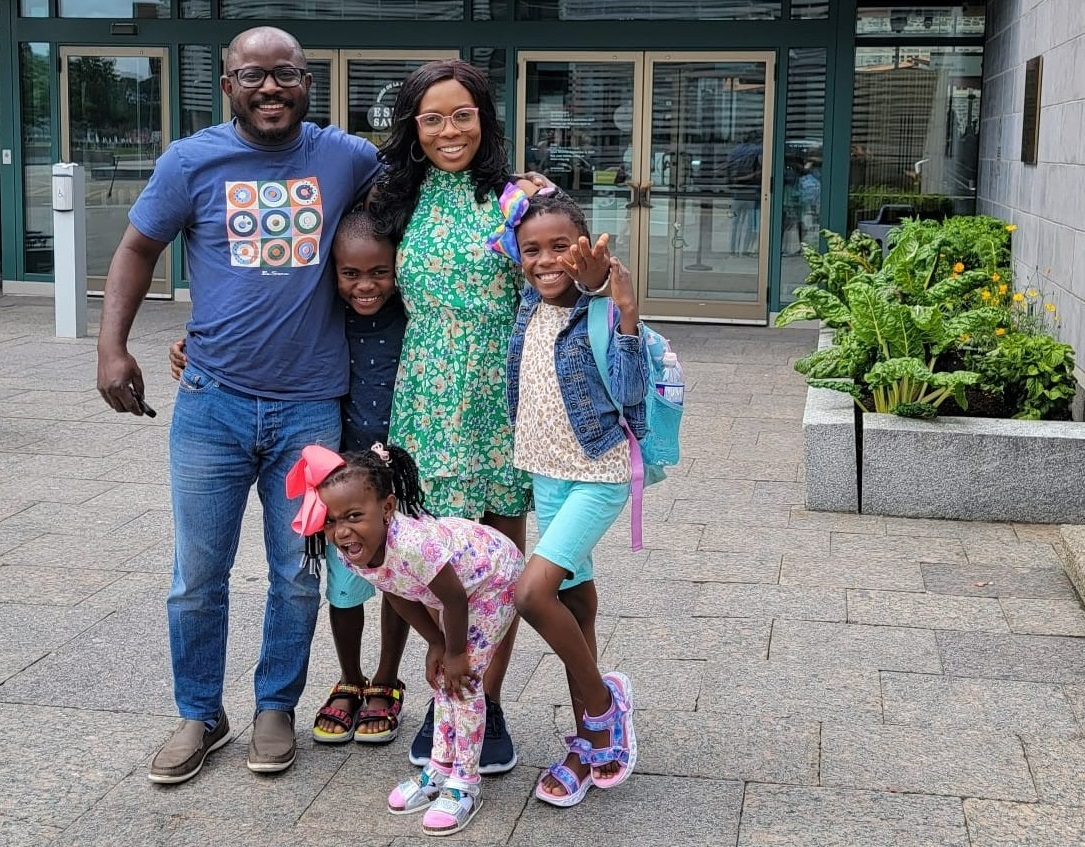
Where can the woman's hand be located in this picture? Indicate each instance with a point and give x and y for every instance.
(588, 264)
(178, 359)
(458, 677)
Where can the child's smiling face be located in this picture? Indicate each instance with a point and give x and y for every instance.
(365, 271)
(543, 239)
(357, 520)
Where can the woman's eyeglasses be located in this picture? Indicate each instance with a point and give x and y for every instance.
(285, 75)
(433, 123)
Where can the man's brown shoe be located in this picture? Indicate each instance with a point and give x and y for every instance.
(273, 747)
(182, 756)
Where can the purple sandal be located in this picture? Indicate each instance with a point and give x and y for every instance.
(618, 719)
(575, 787)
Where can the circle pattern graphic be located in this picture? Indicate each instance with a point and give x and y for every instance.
(276, 252)
(244, 253)
(242, 194)
(307, 220)
(304, 192)
(242, 224)
(273, 194)
(276, 222)
(305, 251)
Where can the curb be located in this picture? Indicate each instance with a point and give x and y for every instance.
(1073, 555)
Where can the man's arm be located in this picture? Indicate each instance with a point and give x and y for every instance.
(129, 279)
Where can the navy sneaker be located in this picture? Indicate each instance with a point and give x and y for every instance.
(423, 742)
(498, 753)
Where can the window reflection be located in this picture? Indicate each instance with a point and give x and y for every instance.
(37, 147)
(809, 9)
(804, 131)
(954, 21)
(198, 86)
(915, 131)
(366, 10)
(647, 10)
(114, 9)
(34, 8)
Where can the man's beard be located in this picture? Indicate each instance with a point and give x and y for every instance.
(279, 134)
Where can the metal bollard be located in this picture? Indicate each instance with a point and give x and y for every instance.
(70, 250)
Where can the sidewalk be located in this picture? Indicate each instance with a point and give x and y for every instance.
(801, 678)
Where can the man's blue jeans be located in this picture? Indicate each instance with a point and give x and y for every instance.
(221, 442)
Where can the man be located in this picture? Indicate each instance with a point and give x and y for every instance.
(258, 199)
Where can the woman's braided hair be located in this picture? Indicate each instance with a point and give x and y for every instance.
(397, 475)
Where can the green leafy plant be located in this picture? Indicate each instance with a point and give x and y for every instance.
(1036, 372)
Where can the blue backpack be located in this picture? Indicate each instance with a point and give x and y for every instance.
(659, 447)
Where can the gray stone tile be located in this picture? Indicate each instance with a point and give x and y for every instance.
(47, 586)
(783, 816)
(930, 611)
(788, 493)
(877, 647)
(1044, 617)
(697, 638)
(916, 550)
(997, 581)
(12, 537)
(1005, 706)
(1033, 658)
(770, 601)
(707, 511)
(647, 598)
(843, 570)
(54, 490)
(133, 499)
(747, 539)
(138, 470)
(935, 528)
(1076, 695)
(16, 832)
(993, 824)
(99, 828)
(1044, 533)
(46, 517)
(1058, 768)
(31, 632)
(789, 688)
(1023, 554)
(837, 522)
(925, 761)
(712, 566)
(711, 466)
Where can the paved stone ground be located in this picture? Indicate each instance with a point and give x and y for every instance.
(803, 678)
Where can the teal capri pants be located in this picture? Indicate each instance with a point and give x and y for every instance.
(344, 588)
(573, 516)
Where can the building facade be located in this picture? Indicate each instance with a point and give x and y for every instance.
(1039, 108)
(710, 138)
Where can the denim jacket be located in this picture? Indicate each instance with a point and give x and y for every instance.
(593, 417)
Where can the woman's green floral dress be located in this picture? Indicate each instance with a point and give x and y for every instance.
(450, 410)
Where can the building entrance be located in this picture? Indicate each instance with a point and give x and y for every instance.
(114, 119)
(670, 153)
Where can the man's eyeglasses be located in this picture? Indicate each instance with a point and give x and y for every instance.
(285, 76)
(433, 123)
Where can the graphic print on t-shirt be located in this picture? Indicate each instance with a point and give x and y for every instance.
(274, 223)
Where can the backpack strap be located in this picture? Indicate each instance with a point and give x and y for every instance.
(600, 330)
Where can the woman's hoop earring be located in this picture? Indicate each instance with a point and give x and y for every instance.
(421, 158)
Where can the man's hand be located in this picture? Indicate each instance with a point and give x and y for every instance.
(178, 359)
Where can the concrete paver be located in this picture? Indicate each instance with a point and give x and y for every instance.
(803, 679)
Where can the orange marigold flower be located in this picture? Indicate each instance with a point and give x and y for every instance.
(1032, 292)
(959, 267)
(1002, 289)
(1000, 331)
(995, 276)
(985, 294)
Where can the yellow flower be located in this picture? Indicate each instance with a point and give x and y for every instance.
(1011, 227)
(1000, 331)
(1032, 292)
(954, 276)
(1049, 306)
(995, 277)
(959, 267)
(966, 337)
(985, 294)
(1018, 297)
(1002, 289)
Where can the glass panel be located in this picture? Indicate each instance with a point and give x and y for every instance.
(115, 9)
(491, 61)
(803, 134)
(642, 10)
(707, 151)
(198, 86)
(489, 10)
(372, 86)
(115, 132)
(196, 9)
(366, 10)
(320, 93)
(579, 131)
(965, 19)
(915, 131)
(809, 8)
(34, 8)
(36, 106)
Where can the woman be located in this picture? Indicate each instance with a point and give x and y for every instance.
(445, 167)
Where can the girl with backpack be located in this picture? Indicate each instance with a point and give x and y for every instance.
(568, 436)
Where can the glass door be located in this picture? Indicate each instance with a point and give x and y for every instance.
(706, 155)
(669, 153)
(114, 119)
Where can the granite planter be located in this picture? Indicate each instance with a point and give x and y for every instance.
(979, 469)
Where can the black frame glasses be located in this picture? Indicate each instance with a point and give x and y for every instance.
(465, 120)
(286, 76)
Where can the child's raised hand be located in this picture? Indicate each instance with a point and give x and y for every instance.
(178, 359)
(624, 296)
(588, 264)
(459, 680)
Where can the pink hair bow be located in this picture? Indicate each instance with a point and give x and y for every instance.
(314, 466)
(513, 203)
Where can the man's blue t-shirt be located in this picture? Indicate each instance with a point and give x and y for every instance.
(258, 225)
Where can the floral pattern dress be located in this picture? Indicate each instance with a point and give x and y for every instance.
(449, 409)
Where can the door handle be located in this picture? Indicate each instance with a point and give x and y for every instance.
(645, 192)
(634, 195)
